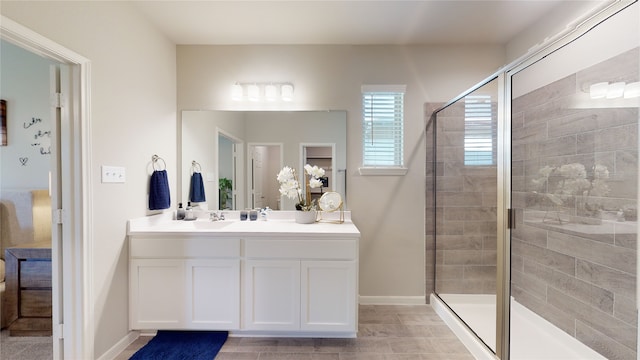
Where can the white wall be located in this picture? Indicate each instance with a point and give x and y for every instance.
(623, 27)
(24, 84)
(133, 116)
(563, 17)
(388, 210)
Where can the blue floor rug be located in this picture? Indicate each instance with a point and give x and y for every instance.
(182, 345)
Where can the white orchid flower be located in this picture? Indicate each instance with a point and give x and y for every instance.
(314, 171)
(315, 183)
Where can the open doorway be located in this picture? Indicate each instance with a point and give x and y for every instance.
(229, 172)
(322, 156)
(69, 82)
(264, 162)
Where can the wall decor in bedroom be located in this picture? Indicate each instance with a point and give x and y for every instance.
(3, 121)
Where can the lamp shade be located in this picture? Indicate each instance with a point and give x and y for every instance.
(615, 90)
(253, 91)
(287, 92)
(632, 90)
(598, 90)
(270, 92)
(236, 92)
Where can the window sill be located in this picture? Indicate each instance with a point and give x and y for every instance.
(384, 171)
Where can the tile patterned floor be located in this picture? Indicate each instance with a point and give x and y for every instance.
(386, 332)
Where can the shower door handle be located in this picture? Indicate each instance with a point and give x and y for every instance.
(511, 219)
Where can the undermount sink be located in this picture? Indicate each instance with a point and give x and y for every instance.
(209, 225)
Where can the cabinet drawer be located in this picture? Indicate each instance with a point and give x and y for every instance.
(184, 248)
(35, 274)
(302, 249)
(35, 303)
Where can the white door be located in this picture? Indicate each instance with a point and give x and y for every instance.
(272, 295)
(156, 293)
(213, 294)
(60, 79)
(257, 165)
(328, 301)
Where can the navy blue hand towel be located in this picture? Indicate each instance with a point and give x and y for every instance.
(196, 193)
(159, 197)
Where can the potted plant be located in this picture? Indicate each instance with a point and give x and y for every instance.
(224, 189)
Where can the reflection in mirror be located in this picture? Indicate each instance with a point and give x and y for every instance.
(264, 161)
(226, 172)
(205, 138)
(322, 156)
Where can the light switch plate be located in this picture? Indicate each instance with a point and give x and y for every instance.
(113, 174)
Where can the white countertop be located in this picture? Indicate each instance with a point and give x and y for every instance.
(279, 223)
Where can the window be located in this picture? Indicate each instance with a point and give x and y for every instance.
(479, 130)
(382, 126)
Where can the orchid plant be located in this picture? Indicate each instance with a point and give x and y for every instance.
(561, 184)
(290, 186)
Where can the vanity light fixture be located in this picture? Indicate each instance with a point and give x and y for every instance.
(598, 90)
(287, 92)
(253, 91)
(262, 91)
(632, 90)
(270, 92)
(614, 90)
(236, 92)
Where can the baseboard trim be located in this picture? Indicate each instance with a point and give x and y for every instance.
(120, 346)
(393, 300)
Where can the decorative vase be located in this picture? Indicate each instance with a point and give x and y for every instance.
(305, 217)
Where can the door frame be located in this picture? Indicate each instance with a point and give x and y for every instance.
(249, 174)
(238, 168)
(75, 294)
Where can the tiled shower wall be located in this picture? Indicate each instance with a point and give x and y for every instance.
(578, 273)
(465, 219)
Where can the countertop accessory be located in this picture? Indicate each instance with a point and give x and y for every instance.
(330, 202)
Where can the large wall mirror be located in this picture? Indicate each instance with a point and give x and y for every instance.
(239, 154)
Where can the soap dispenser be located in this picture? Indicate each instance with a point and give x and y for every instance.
(180, 214)
(188, 214)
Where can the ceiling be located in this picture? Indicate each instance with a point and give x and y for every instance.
(242, 22)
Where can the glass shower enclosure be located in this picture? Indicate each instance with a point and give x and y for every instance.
(535, 178)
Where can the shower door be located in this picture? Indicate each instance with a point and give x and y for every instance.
(466, 208)
(574, 168)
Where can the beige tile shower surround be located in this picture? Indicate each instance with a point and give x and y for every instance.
(466, 212)
(580, 277)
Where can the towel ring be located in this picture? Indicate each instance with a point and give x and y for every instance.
(155, 159)
(195, 167)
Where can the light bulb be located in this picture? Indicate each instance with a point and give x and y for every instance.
(253, 92)
(287, 92)
(270, 92)
(236, 92)
(598, 90)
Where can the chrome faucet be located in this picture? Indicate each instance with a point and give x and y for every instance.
(215, 216)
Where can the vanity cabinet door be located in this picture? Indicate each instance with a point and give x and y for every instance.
(272, 295)
(156, 294)
(213, 294)
(328, 297)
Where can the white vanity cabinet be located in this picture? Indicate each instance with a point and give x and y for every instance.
(262, 278)
(304, 285)
(184, 283)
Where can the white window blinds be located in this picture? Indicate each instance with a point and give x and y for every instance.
(479, 130)
(382, 125)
